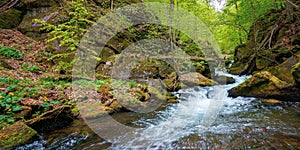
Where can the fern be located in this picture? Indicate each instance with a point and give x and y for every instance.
(69, 33)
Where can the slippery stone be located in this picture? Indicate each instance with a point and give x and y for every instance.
(16, 134)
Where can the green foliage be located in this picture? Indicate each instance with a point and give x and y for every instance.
(69, 33)
(31, 68)
(47, 104)
(229, 25)
(15, 90)
(9, 105)
(10, 52)
(132, 84)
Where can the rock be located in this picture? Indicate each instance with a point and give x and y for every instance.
(270, 101)
(173, 101)
(224, 79)
(10, 18)
(16, 134)
(266, 85)
(51, 120)
(195, 79)
(296, 73)
(172, 82)
(37, 9)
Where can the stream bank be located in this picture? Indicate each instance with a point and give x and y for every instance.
(272, 56)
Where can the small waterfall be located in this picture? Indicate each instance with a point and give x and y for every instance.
(198, 109)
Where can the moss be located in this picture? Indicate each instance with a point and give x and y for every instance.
(236, 68)
(265, 85)
(173, 101)
(16, 134)
(194, 79)
(51, 120)
(262, 63)
(296, 73)
(143, 96)
(10, 18)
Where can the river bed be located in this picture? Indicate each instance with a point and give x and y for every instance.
(197, 122)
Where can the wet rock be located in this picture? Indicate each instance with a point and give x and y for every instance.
(16, 134)
(224, 79)
(51, 120)
(195, 79)
(266, 85)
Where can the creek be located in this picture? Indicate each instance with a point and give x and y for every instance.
(196, 122)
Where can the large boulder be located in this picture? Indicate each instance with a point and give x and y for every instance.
(266, 85)
(279, 82)
(38, 9)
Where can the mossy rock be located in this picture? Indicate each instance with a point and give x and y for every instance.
(224, 79)
(194, 79)
(262, 63)
(142, 95)
(16, 134)
(10, 18)
(265, 85)
(172, 82)
(51, 120)
(296, 73)
(106, 67)
(38, 9)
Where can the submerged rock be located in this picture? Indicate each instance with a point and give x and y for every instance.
(16, 134)
(224, 79)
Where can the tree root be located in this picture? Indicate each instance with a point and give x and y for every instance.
(249, 66)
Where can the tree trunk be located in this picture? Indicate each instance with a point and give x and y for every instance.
(111, 5)
(254, 27)
(170, 23)
(238, 23)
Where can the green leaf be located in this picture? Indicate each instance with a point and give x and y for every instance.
(10, 120)
(11, 87)
(55, 102)
(45, 105)
(16, 108)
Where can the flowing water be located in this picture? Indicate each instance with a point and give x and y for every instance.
(205, 118)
